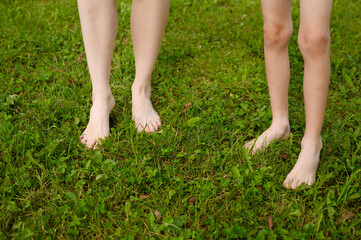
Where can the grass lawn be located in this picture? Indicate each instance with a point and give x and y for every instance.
(192, 179)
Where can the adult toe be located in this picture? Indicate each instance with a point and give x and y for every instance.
(295, 183)
(287, 183)
(155, 126)
(84, 140)
(149, 128)
(158, 123)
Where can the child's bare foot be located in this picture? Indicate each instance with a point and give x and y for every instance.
(275, 132)
(98, 126)
(306, 166)
(143, 113)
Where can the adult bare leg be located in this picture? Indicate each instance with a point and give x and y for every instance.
(99, 23)
(277, 31)
(314, 43)
(148, 22)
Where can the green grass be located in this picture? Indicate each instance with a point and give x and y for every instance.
(194, 171)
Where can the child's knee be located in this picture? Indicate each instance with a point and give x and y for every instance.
(277, 34)
(313, 43)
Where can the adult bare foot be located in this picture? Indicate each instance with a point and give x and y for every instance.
(98, 126)
(144, 116)
(306, 166)
(275, 132)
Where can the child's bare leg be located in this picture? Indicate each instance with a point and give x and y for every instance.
(314, 43)
(148, 22)
(99, 24)
(277, 30)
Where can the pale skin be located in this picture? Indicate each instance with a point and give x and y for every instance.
(314, 44)
(99, 23)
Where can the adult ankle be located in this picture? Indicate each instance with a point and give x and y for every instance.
(105, 95)
(282, 126)
(312, 142)
(141, 88)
